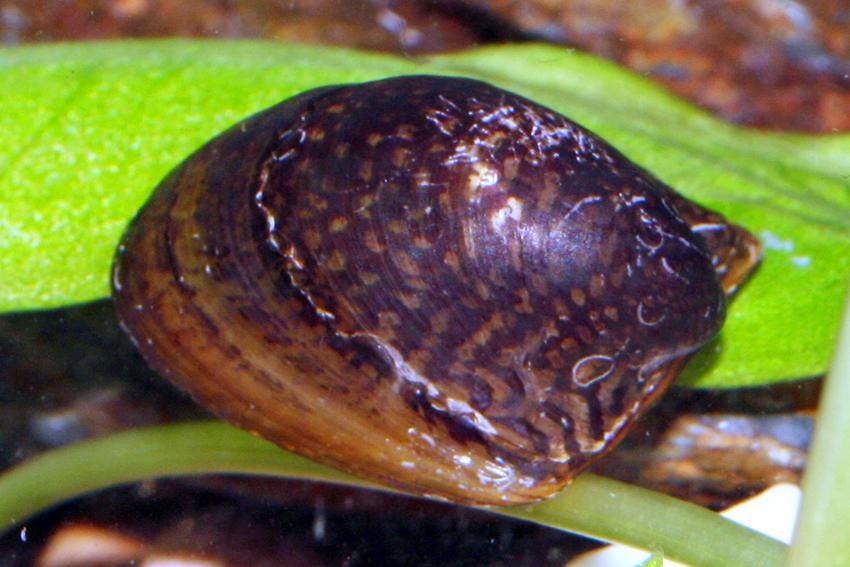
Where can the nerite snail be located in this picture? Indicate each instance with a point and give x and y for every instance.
(426, 281)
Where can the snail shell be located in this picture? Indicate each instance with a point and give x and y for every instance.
(426, 281)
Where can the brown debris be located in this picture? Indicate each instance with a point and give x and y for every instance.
(764, 63)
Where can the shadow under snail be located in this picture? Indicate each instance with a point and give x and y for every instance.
(426, 281)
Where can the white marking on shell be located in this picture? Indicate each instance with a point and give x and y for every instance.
(455, 408)
(483, 176)
(116, 279)
(708, 227)
(500, 477)
(643, 319)
(503, 115)
(458, 408)
(268, 212)
(632, 200)
(652, 248)
(462, 154)
(291, 254)
(512, 210)
(606, 367)
(462, 460)
(614, 428)
(669, 269)
(589, 200)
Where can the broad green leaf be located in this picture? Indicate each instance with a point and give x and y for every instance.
(87, 130)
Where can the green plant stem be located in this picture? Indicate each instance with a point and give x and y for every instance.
(614, 511)
(139, 454)
(594, 506)
(821, 534)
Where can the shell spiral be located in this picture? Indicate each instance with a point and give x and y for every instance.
(426, 281)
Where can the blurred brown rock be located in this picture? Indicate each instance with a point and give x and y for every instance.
(780, 64)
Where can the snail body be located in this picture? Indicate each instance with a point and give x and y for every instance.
(425, 281)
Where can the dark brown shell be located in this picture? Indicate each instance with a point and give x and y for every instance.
(426, 281)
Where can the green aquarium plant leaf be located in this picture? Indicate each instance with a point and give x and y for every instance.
(592, 505)
(89, 129)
